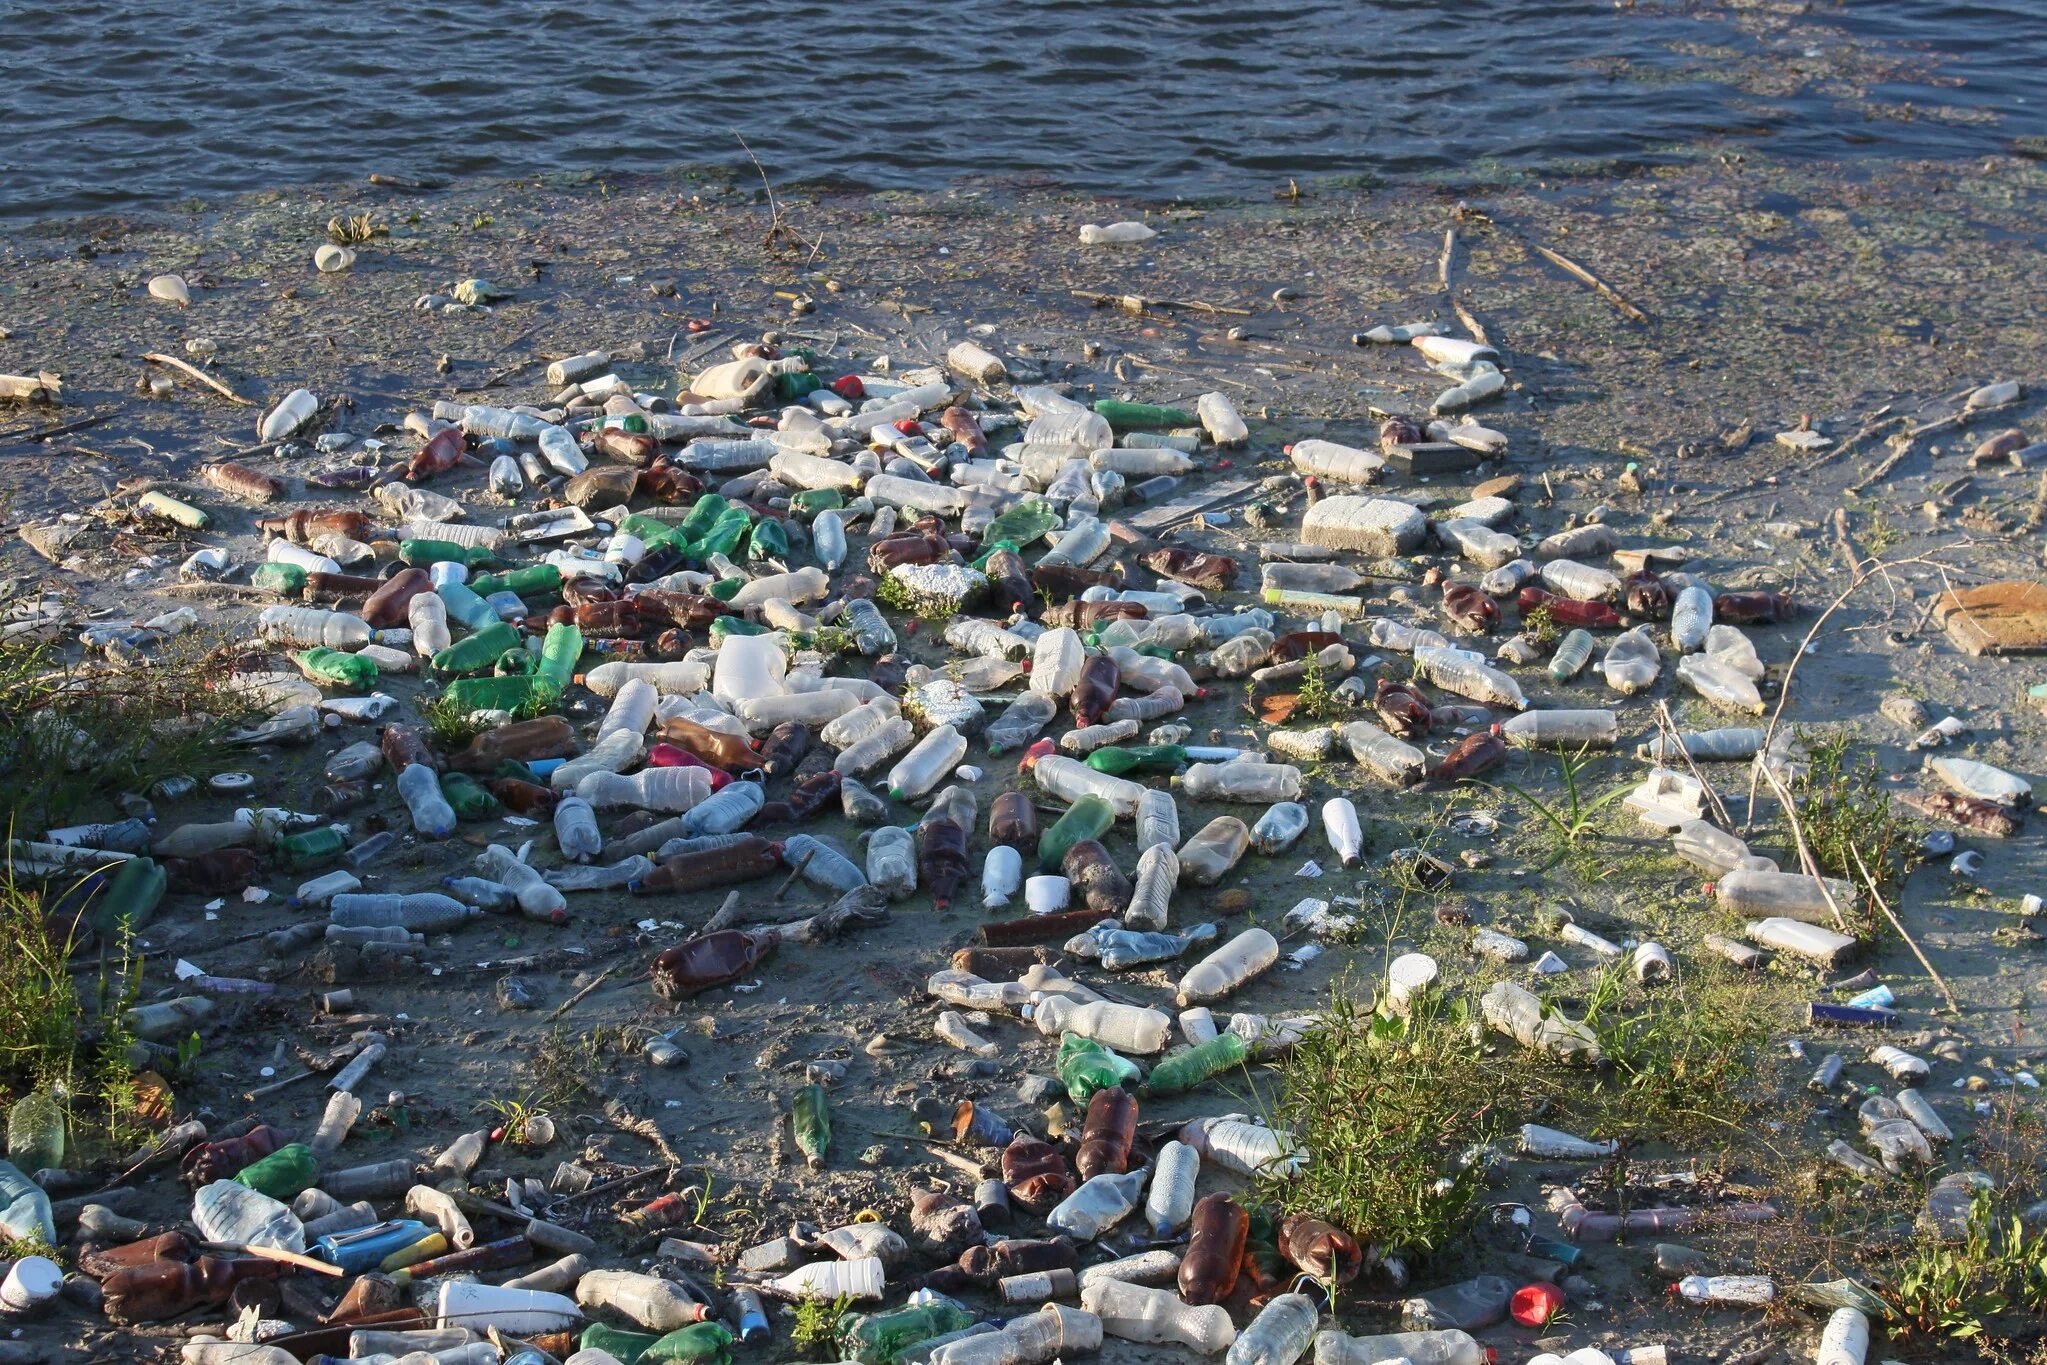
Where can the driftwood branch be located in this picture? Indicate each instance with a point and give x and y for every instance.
(159, 358)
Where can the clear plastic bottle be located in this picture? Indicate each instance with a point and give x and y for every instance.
(1981, 780)
(1572, 655)
(1507, 578)
(427, 614)
(1708, 847)
(310, 627)
(1243, 780)
(1691, 616)
(1418, 1348)
(420, 789)
(1171, 1199)
(1728, 646)
(725, 811)
(1452, 670)
(1151, 896)
(1720, 684)
(225, 1211)
(1520, 1015)
(1135, 1312)
(870, 751)
(1158, 820)
(1150, 672)
(1069, 779)
(1277, 829)
(1631, 664)
(1126, 1028)
(1229, 967)
(1789, 895)
(1346, 836)
(828, 539)
(1586, 582)
(892, 861)
(1098, 1205)
(612, 754)
(537, 900)
(1020, 721)
(1280, 1334)
(1598, 729)
(1239, 655)
(672, 790)
(632, 709)
(1215, 848)
(656, 1304)
(419, 912)
(1393, 760)
(927, 765)
(575, 829)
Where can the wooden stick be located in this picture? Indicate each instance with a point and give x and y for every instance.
(1877, 896)
(208, 380)
(565, 1006)
(1669, 727)
(1586, 277)
(727, 916)
(27, 436)
(1805, 858)
(1471, 324)
(790, 880)
(1444, 261)
(303, 1262)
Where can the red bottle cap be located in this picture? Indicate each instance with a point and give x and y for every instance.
(849, 387)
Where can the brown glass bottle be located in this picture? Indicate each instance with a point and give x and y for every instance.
(1035, 1173)
(1322, 1249)
(661, 561)
(1106, 1136)
(1215, 1249)
(941, 859)
(211, 1161)
(405, 745)
(1469, 608)
(1096, 877)
(1094, 689)
(305, 526)
(522, 797)
(715, 747)
(1013, 820)
(522, 740)
(216, 873)
(709, 960)
(386, 606)
(784, 748)
(165, 1289)
(1402, 708)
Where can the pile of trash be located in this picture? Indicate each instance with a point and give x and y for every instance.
(965, 613)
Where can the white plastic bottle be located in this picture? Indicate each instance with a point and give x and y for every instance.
(537, 899)
(1691, 616)
(1098, 1205)
(1279, 1335)
(1454, 671)
(1345, 464)
(1585, 582)
(1243, 780)
(1171, 1200)
(1720, 684)
(1746, 1291)
(1001, 876)
(1151, 892)
(1229, 967)
(427, 614)
(1845, 1340)
(1069, 779)
(1135, 1312)
(672, 790)
(282, 551)
(1056, 661)
(575, 830)
(679, 677)
(311, 627)
(1248, 1149)
(926, 765)
(1631, 664)
(519, 1312)
(1599, 729)
(420, 788)
(1126, 1028)
(860, 1279)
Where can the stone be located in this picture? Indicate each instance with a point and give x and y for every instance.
(1373, 526)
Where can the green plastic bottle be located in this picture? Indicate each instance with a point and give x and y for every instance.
(1021, 524)
(559, 653)
(1130, 416)
(536, 580)
(724, 627)
(286, 580)
(1203, 1062)
(1086, 1067)
(1088, 818)
(700, 1343)
(811, 1117)
(629, 1347)
(474, 653)
(1117, 759)
(805, 505)
(769, 540)
(284, 1173)
(725, 534)
(502, 694)
(792, 388)
(700, 520)
(652, 531)
(312, 847)
(423, 553)
(882, 1338)
(469, 801)
(331, 667)
(35, 1131)
(725, 589)
(132, 895)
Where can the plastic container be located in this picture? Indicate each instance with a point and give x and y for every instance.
(1328, 460)
(861, 1280)
(1453, 671)
(1587, 583)
(1244, 780)
(310, 627)
(1126, 1028)
(1280, 1334)
(420, 788)
(1691, 616)
(1214, 849)
(927, 764)
(1020, 721)
(671, 790)
(1098, 1205)
(575, 830)
(1069, 779)
(1229, 967)
(1631, 664)
(1158, 820)
(1056, 661)
(1134, 1312)
(516, 1312)
(1720, 684)
(1277, 829)
(225, 1211)
(421, 912)
(1598, 729)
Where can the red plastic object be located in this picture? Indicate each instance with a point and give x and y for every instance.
(1036, 752)
(849, 387)
(1535, 1304)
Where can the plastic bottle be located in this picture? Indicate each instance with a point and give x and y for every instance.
(1151, 896)
(927, 764)
(1107, 1133)
(422, 912)
(672, 790)
(1277, 829)
(1573, 653)
(1135, 1312)
(1452, 670)
(307, 627)
(1805, 940)
(1747, 1291)
(1214, 849)
(892, 862)
(537, 900)
(1569, 578)
(1280, 1334)
(420, 789)
(1243, 780)
(1215, 1250)
(1598, 729)
(1229, 967)
(1789, 895)
(1981, 781)
(1511, 1010)
(1719, 683)
(575, 830)
(1690, 617)
(1158, 820)
(1056, 661)
(1089, 817)
(1099, 1204)
(1171, 1201)
(228, 1212)
(1197, 1065)
(1340, 824)
(1126, 1028)
(1418, 1348)
(24, 1208)
(1631, 664)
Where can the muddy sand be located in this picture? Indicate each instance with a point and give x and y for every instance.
(1775, 297)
